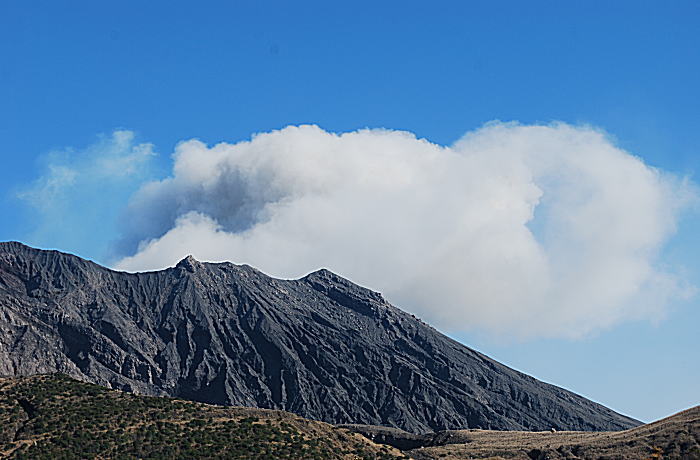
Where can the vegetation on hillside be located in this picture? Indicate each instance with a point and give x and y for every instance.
(54, 417)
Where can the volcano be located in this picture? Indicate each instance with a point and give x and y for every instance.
(319, 346)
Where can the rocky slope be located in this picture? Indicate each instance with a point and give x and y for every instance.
(320, 346)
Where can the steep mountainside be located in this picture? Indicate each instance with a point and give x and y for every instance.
(321, 346)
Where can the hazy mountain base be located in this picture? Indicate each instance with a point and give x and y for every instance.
(675, 437)
(54, 416)
(320, 346)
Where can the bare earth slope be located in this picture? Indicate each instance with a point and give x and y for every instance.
(321, 346)
(675, 437)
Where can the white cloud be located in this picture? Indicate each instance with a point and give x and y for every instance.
(112, 159)
(520, 230)
(79, 195)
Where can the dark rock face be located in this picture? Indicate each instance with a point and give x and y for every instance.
(321, 346)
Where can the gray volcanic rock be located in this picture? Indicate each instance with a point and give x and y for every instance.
(320, 346)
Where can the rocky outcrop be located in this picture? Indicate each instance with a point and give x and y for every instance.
(320, 346)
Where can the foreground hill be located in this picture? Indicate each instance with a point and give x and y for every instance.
(320, 346)
(53, 416)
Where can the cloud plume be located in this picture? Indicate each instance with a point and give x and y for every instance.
(76, 199)
(546, 230)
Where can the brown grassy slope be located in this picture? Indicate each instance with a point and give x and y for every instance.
(53, 416)
(675, 437)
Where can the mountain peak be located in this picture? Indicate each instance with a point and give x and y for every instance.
(321, 273)
(15, 246)
(321, 346)
(189, 263)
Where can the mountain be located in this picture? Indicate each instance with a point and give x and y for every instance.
(320, 346)
(53, 416)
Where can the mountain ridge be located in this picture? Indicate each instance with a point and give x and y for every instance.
(319, 346)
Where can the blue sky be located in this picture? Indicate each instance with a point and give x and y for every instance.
(72, 75)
